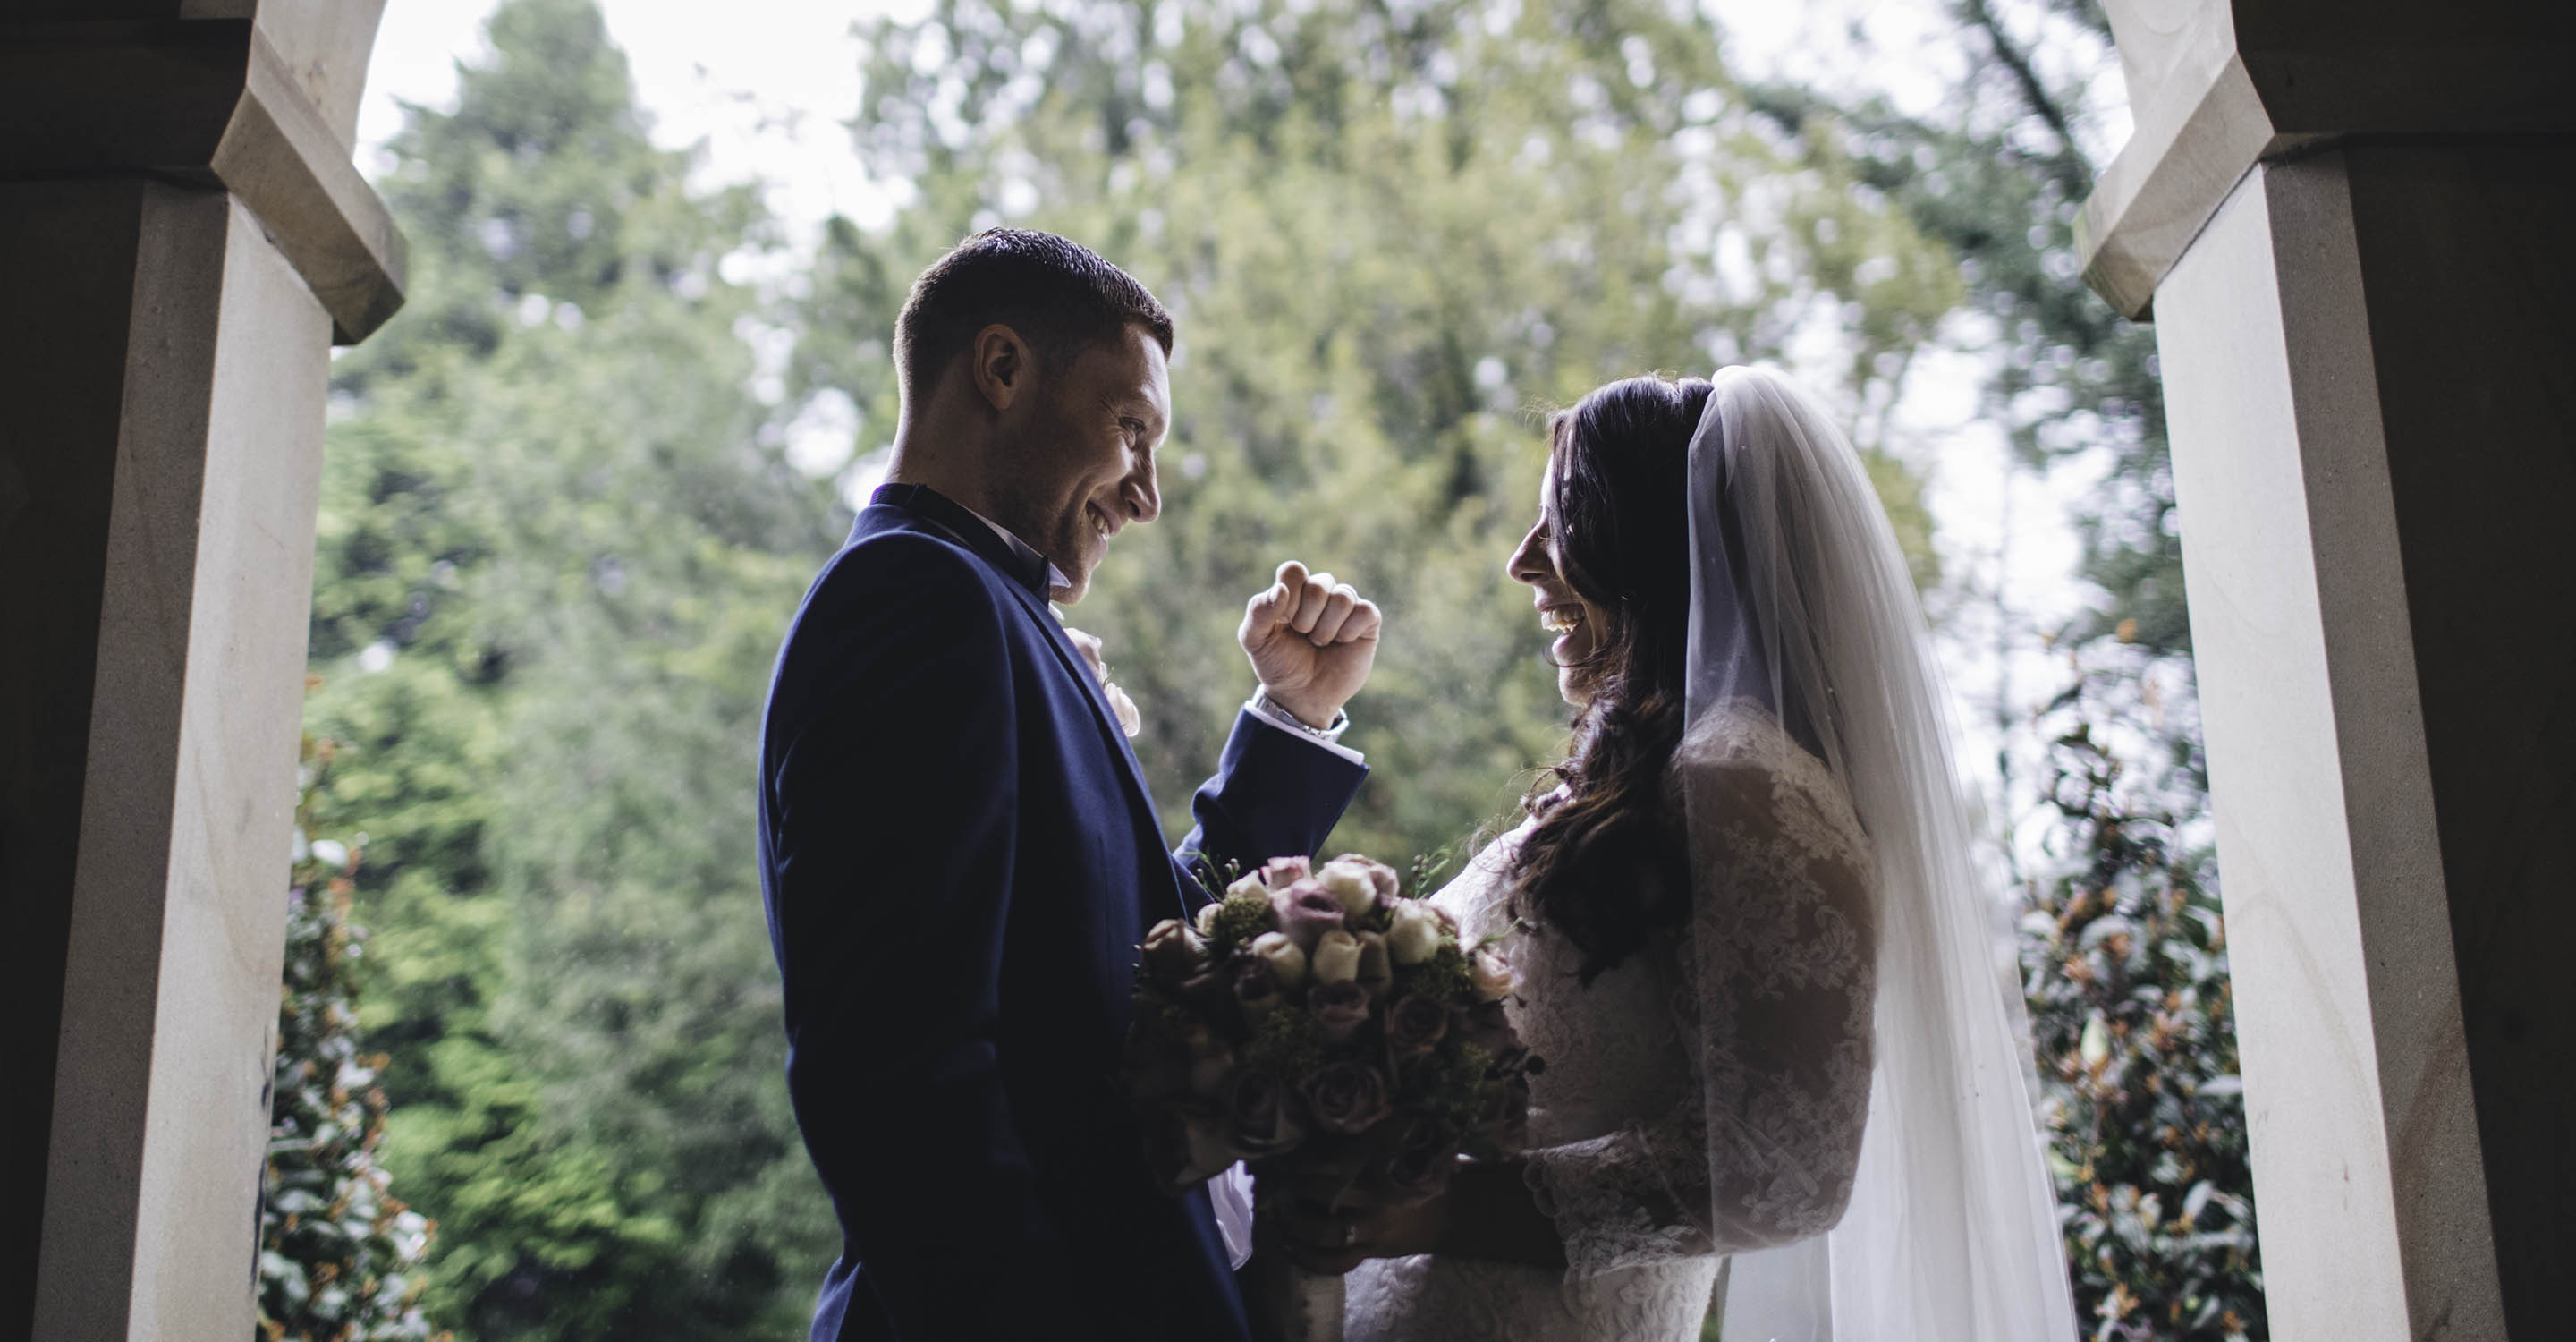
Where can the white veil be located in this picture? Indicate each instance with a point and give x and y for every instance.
(1801, 601)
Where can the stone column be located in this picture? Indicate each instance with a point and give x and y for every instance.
(182, 237)
(2351, 220)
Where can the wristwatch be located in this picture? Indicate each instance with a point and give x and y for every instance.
(1270, 708)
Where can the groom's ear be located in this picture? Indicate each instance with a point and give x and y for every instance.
(999, 362)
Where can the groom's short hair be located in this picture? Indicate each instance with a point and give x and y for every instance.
(1061, 296)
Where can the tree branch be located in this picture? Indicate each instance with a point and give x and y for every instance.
(1980, 14)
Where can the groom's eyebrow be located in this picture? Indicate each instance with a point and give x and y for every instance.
(1140, 404)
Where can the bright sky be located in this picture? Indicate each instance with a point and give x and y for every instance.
(767, 86)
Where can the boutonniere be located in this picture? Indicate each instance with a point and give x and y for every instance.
(1120, 706)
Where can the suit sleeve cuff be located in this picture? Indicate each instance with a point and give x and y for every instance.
(1278, 719)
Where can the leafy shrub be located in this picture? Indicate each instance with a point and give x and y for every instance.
(339, 1258)
(2125, 962)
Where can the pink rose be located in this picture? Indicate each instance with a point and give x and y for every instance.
(1279, 873)
(1414, 1025)
(1340, 1007)
(1256, 985)
(1421, 1166)
(1260, 1119)
(1347, 1097)
(1306, 911)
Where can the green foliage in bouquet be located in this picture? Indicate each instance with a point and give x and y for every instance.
(340, 1259)
(1239, 918)
(1286, 1043)
(1443, 976)
(2126, 973)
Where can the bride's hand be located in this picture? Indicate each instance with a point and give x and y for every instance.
(1331, 1242)
(1487, 1212)
(1311, 640)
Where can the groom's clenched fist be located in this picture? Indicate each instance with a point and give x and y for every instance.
(1312, 641)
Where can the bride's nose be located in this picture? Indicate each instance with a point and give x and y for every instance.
(1529, 563)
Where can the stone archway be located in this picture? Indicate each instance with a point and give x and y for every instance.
(2350, 218)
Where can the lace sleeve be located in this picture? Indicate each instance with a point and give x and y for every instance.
(1785, 935)
(1628, 1198)
(1778, 973)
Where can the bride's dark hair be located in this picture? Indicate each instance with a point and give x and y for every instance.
(1604, 866)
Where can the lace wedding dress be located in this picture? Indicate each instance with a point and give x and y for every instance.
(1705, 1096)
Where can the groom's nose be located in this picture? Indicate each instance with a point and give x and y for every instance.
(1144, 499)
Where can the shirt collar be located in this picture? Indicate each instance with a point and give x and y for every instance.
(1033, 570)
(1027, 553)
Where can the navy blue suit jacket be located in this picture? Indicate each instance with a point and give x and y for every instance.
(959, 858)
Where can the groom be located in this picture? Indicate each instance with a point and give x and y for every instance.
(957, 851)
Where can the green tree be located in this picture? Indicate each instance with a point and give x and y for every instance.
(559, 545)
(1999, 177)
(1391, 237)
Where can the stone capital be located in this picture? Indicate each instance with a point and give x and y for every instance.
(2217, 86)
(259, 97)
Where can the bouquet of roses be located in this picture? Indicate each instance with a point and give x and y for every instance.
(1329, 1030)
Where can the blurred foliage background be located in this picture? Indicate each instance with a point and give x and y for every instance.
(562, 534)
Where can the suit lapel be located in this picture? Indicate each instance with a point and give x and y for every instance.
(1102, 715)
(980, 542)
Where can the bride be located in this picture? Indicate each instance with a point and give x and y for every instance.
(1755, 953)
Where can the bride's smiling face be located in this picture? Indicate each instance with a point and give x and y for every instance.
(1562, 611)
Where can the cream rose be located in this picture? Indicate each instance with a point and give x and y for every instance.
(1377, 968)
(1120, 706)
(1124, 708)
(1358, 883)
(1287, 963)
(1413, 935)
(1336, 958)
